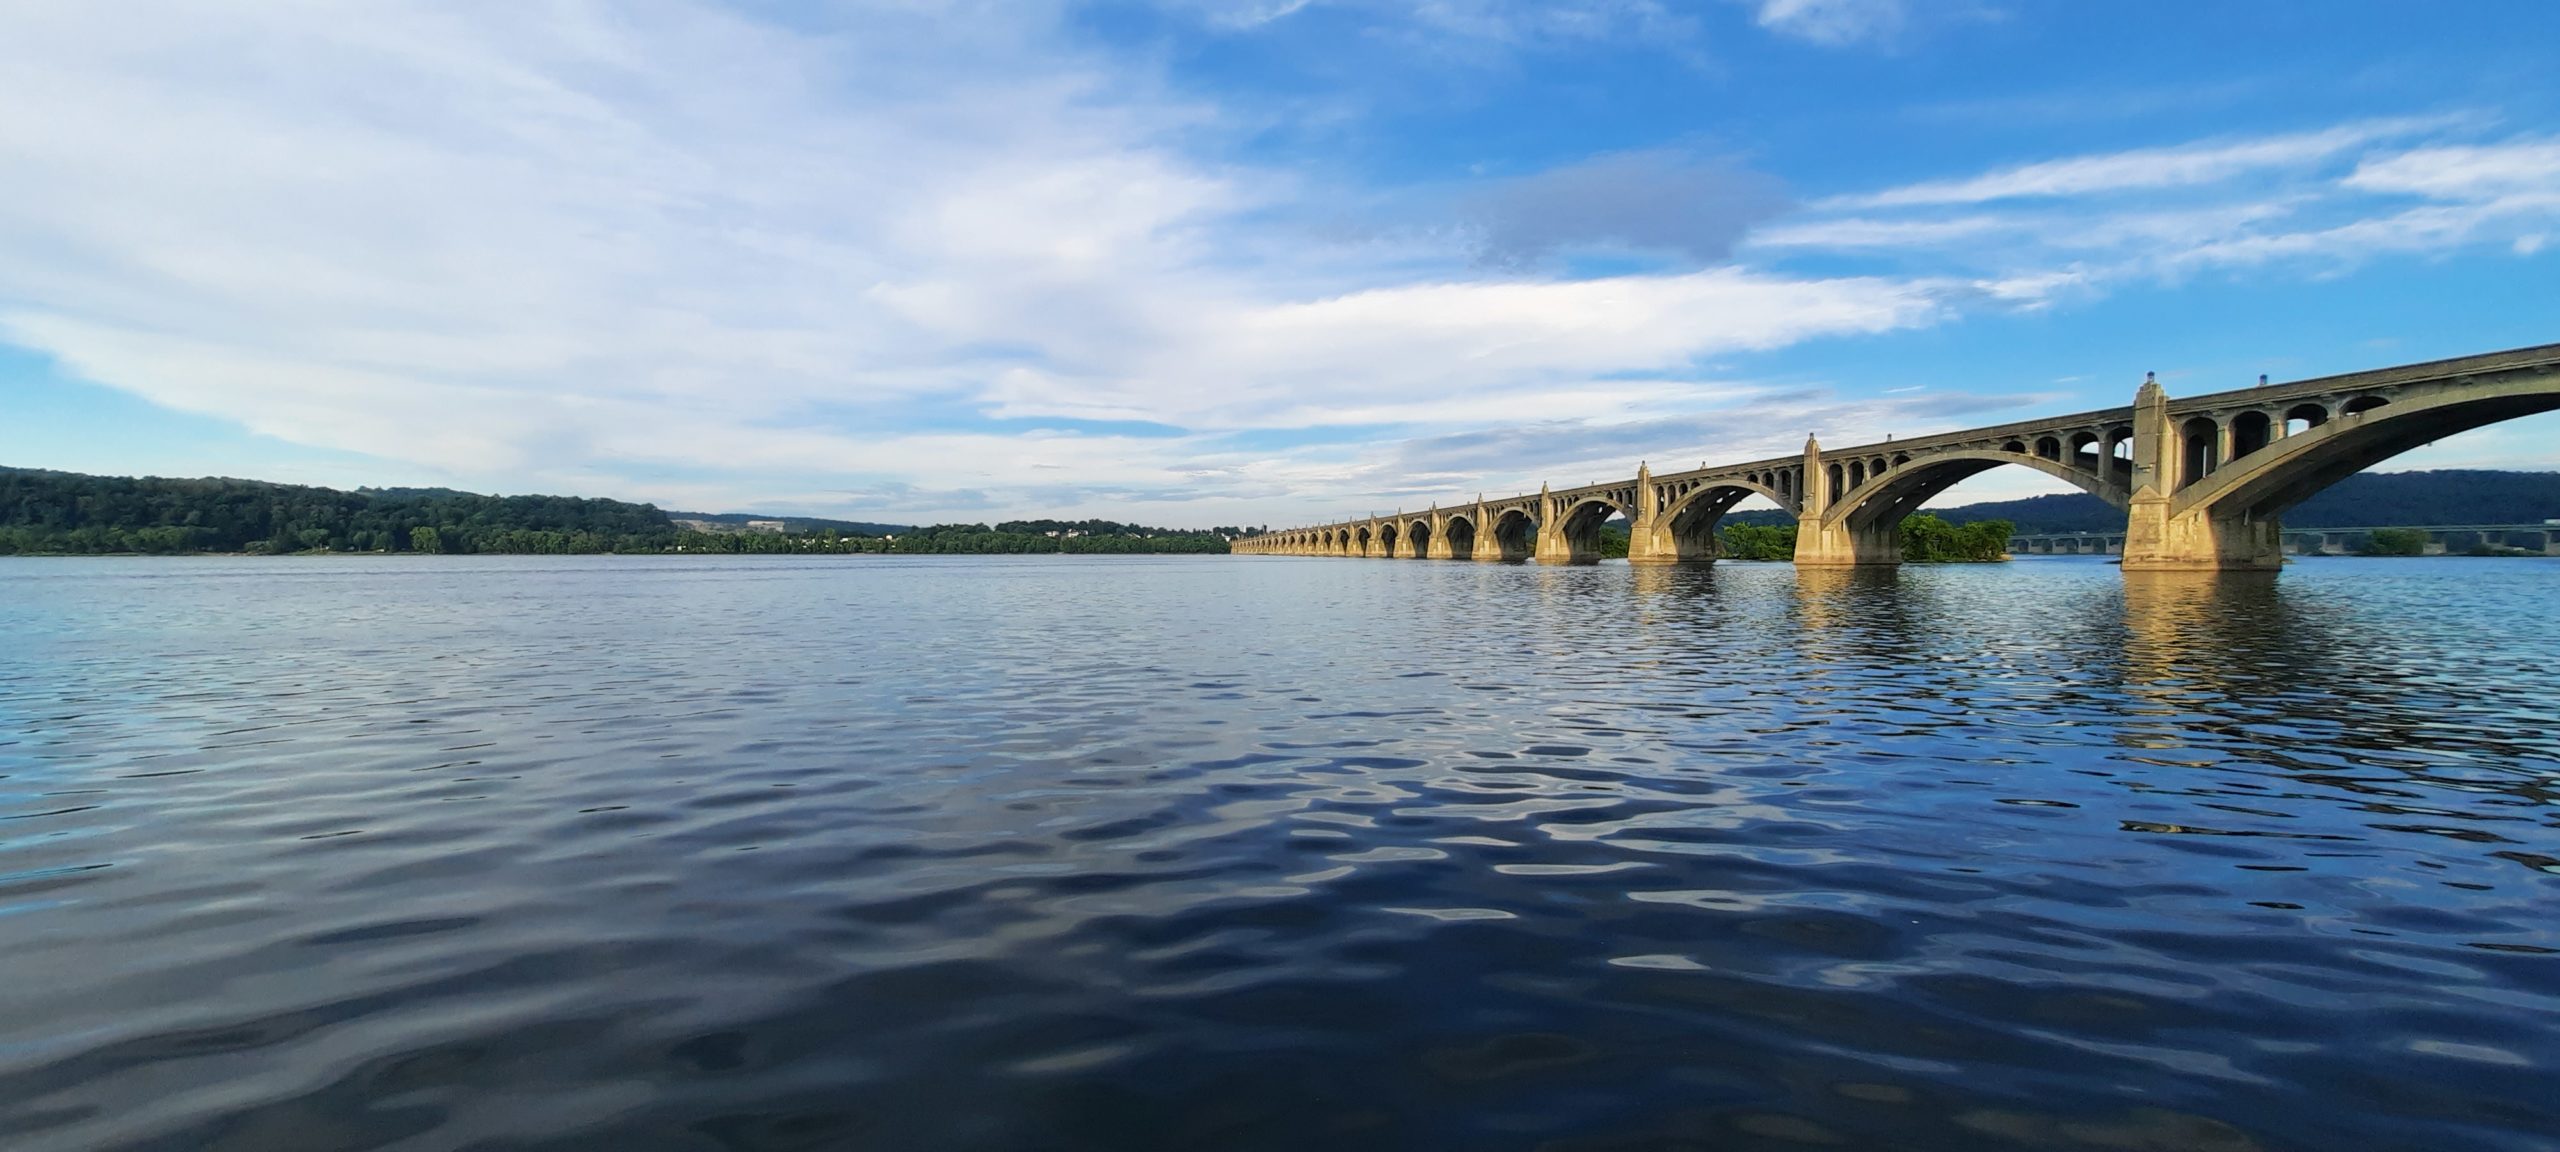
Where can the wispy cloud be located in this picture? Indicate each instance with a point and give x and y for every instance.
(545, 249)
(2465, 172)
(2324, 199)
(1833, 22)
(2182, 165)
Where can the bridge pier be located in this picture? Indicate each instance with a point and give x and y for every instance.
(1653, 537)
(1554, 546)
(1824, 540)
(1439, 546)
(2158, 537)
(1828, 543)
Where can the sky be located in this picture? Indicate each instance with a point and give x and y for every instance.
(1202, 262)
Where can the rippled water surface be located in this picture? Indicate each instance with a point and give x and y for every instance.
(1268, 853)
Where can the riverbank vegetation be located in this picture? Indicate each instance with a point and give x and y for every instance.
(1926, 539)
(63, 513)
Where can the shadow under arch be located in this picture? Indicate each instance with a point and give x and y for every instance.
(1515, 534)
(1461, 533)
(1864, 526)
(1578, 526)
(1888, 498)
(2260, 486)
(1417, 538)
(1685, 529)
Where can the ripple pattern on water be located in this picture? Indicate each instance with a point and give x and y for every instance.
(1105, 853)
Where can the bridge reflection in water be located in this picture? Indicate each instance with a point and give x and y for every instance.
(2203, 482)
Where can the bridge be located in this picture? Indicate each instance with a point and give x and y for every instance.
(2441, 539)
(2203, 481)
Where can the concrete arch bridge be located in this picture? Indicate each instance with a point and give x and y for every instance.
(2203, 481)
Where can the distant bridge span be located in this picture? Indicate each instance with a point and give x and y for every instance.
(2203, 481)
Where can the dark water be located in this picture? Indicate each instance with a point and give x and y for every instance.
(1204, 853)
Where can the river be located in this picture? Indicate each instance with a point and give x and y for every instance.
(1267, 853)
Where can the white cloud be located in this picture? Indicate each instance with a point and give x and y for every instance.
(536, 246)
(2465, 172)
(1833, 22)
(674, 253)
(2183, 165)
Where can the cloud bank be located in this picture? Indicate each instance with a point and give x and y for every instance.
(916, 261)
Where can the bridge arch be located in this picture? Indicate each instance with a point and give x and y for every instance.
(1461, 531)
(1515, 533)
(1686, 530)
(1417, 538)
(1575, 538)
(1389, 536)
(1886, 499)
(2261, 484)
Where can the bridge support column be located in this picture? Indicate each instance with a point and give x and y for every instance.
(1488, 543)
(1439, 547)
(1650, 539)
(1553, 547)
(2158, 538)
(1826, 541)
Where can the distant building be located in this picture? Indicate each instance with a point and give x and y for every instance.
(765, 525)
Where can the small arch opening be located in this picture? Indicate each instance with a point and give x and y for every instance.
(2084, 452)
(1837, 488)
(2016, 446)
(2202, 450)
(2363, 404)
(2049, 447)
(1857, 473)
(2250, 431)
(2302, 418)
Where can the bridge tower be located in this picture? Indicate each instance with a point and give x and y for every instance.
(1824, 540)
(2160, 538)
(1488, 545)
(1648, 530)
(1552, 548)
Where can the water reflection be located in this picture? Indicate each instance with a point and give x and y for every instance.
(1263, 854)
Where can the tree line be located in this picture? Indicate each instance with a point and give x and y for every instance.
(1926, 539)
(45, 512)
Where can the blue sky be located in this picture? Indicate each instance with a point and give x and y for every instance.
(1225, 261)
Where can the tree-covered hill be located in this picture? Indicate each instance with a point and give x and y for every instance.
(45, 512)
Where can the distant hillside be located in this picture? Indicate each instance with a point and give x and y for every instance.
(798, 523)
(2365, 500)
(45, 512)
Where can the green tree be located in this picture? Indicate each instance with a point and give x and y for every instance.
(2395, 542)
(1927, 539)
(1758, 541)
(424, 538)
